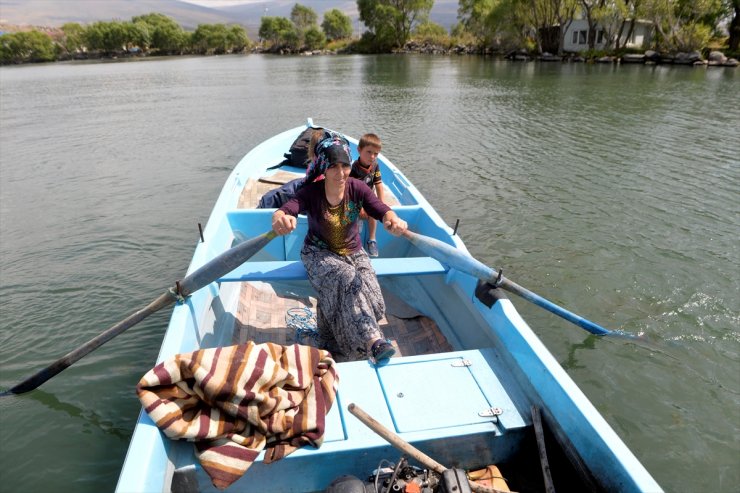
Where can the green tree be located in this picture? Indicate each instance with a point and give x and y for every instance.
(303, 17)
(210, 38)
(314, 38)
(108, 37)
(166, 35)
(563, 13)
(509, 25)
(473, 14)
(268, 30)
(73, 37)
(627, 26)
(429, 30)
(379, 19)
(336, 25)
(218, 38)
(734, 28)
(279, 31)
(26, 46)
(682, 25)
(137, 35)
(391, 21)
(290, 39)
(238, 38)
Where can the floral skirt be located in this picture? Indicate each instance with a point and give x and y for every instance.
(350, 303)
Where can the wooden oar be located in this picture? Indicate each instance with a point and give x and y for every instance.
(216, 268)
(463, 262)
(409, 449)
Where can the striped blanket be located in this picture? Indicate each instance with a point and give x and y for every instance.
(235, 401)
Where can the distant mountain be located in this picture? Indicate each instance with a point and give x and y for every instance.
(57, 12)
(444, 12)
(54, 13)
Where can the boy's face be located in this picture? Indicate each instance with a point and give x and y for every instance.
(369, 155)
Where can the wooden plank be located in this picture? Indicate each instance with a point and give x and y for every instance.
(254, 189)
(261, 317)
(540, 436)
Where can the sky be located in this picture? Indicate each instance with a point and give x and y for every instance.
(222, 3)
(229, 3)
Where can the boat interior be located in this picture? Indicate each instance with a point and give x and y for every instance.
(446, 390)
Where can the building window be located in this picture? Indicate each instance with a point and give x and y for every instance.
(600, 36)
(580, 37)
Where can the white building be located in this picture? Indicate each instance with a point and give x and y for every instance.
(576, 37)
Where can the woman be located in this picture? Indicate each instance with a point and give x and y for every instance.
(349, 299)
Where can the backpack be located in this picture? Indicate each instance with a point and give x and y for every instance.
(298, 154)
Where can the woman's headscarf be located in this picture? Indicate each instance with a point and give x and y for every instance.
(332, 148)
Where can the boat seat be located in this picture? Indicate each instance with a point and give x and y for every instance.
(293, 269)
(439, 403)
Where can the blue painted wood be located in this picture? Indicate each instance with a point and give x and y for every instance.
(293, 269)
(464, 386)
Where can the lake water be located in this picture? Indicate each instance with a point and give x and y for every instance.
(612, 190)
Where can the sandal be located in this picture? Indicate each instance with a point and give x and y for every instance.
(372, 248)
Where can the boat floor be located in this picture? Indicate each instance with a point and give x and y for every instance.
(262, 313)
(262, 316)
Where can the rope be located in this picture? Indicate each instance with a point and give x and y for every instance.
(303, 321)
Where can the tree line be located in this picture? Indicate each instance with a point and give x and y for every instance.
(485, 25)
(678, 25)
(149, 34)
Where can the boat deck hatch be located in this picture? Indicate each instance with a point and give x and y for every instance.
(446, 390)
(432, 394)
(423, 397)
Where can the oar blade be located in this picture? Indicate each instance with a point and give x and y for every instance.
(208, 273)
(463, 262)
(41, 376)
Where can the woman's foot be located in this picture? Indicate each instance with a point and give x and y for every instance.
(382, 350)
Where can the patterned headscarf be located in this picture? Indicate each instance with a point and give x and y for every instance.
(332, 148)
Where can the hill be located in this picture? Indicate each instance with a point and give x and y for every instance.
(55, 13)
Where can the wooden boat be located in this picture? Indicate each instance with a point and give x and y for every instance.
(466, 386)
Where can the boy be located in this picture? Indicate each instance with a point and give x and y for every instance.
(366, 169)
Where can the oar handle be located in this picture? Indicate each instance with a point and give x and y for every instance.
(224, 263)
(463, 262)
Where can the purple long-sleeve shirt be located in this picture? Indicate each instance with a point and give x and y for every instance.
(335, 228)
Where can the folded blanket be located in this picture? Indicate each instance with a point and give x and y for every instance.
(235, 401)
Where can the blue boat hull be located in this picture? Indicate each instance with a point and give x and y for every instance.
(437, 402)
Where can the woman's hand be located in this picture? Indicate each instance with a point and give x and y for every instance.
(282, 223)
(395, 225)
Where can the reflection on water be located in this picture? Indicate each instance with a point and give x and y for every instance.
(88, 416)
(613, 191)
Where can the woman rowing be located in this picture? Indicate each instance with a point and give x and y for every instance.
(350, 303)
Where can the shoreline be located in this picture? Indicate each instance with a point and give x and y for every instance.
(649, 57)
